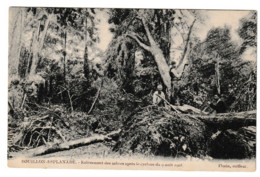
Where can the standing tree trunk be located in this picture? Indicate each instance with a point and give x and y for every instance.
(21, 38)
(160, 60)
(217, 74)
(30, 56)
(85, 65)
(38, 44)
(64, 56)
(163, 67)
(15, 39)
(35, 51)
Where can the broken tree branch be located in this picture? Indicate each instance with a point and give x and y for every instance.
(24, 97)
(186, 44)
(97, 95)
(143, 45)
(173, 107)
(50, 128)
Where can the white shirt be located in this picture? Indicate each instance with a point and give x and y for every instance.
(157, 99)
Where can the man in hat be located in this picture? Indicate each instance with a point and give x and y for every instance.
(220, 106)
(159, 96)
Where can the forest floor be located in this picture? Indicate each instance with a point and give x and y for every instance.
(151, 132)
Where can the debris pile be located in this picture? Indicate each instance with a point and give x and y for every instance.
(158, 131)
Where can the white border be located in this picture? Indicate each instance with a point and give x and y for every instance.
(191, 4)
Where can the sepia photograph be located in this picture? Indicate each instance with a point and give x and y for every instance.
(123, 88)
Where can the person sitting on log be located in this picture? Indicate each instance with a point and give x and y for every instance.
(159, 96)
(220, 106)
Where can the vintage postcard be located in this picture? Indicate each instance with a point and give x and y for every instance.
(150, 89)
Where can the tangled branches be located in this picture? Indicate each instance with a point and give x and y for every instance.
(37, 130)
(157, 131)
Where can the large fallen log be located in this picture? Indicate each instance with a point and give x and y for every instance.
(228, 120)
(55, 147)
(189, 109)
(222, 121)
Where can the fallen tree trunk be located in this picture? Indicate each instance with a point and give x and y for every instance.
(228, 120)
(219, 121)
(189, 109)
(55, 147)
